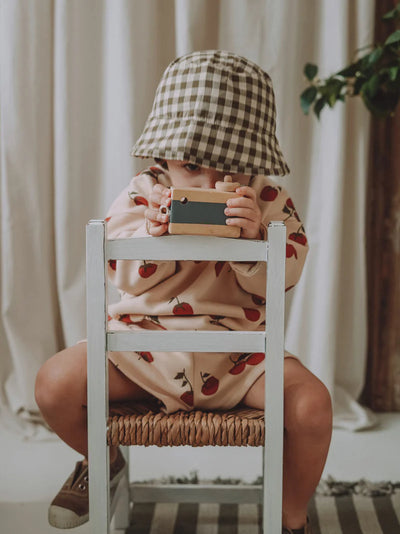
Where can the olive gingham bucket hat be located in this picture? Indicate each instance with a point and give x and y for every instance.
(215, 109)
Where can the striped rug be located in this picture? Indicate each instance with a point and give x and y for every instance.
(348, 513)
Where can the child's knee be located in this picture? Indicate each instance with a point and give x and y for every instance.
(57, 385)
(309, 408)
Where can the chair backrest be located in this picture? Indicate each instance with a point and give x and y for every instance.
(271, 341)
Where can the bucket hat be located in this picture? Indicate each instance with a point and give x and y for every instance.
(216, 109)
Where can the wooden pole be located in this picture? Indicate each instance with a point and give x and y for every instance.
(382, 388)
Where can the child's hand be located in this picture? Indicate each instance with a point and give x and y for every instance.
(157, 222)
(246, 212)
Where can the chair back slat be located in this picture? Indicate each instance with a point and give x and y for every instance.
(179, 247)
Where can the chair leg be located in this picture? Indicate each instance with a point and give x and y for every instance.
(122, 505)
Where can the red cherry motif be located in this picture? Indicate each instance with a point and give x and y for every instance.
(210, 385)
(255, 358)
(269, 193)
(290, 287)
(147, 356)
(109, 317)
(137, 199)
(147, 269)
(298, 237)
(187, 398)
(290, 251)
(218, 267)
(237, 368)
(260, 301)
(156, 171)
(112, 264)
(107, 219)
(289, 203)
(251, 315)
(125, 318)
(296, 216)
(182, 308)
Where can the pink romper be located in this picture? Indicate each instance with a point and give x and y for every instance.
(194, 295)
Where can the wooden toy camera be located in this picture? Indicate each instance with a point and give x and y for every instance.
(197, 211)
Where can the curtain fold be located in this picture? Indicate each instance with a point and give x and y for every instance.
(77, 83)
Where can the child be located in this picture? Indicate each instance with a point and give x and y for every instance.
(213, 114)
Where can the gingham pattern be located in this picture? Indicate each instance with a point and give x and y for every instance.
(215, 109)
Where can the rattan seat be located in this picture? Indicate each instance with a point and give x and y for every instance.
(145, 424)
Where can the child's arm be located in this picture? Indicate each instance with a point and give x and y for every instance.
(274, 205)
(126, 219)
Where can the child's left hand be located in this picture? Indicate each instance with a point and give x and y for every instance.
(246, 213)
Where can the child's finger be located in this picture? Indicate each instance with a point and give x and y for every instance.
(242, 202)
(244, 213)
(157, 230)
(247, 191)
(155, 215)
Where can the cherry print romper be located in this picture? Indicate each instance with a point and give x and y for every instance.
(194, 295)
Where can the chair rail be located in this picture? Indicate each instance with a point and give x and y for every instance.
(204, 248)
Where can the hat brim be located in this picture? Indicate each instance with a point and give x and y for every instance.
(211, 144)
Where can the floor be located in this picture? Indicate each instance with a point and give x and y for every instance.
(33, 471)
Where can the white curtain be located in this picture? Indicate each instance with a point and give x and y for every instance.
(77, 82)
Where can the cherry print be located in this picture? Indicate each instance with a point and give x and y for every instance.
(109, 317)
(126, 318)
(251, 315)
(260, 301)
(290, 287)
(147, 269)
(255, 358)
(289, 203)
(210, 385)
(137, 199)
(269, 193)
(107, 219)
(187, 396)
(182, 308)
(147, 356)
(298, 237)
(290, 251)
(237, 368)
(156, 320)
(112, 264)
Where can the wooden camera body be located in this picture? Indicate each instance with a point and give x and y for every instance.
(196, 211)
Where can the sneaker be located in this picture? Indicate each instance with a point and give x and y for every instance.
(303, 530)
(70, 507)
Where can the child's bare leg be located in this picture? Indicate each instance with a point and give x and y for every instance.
(60, 392)
(307, 435)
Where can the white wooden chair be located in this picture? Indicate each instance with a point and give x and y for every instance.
(100, 341)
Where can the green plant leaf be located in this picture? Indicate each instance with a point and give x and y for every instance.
(319, 104)
(350, 70)
(310, 71)
(307, 97)
(393, 38)
(393, 14)
(371, 86)
(374, 56)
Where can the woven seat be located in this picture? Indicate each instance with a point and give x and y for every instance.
(145, 424)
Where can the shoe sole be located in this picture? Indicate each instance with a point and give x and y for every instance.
(63, 518)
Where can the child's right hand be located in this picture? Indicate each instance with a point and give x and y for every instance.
(157, 222)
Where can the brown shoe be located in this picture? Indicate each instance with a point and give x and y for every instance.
(70, 507)
(303, 530)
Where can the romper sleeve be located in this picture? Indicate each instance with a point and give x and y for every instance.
(276, 205)
(125, 219)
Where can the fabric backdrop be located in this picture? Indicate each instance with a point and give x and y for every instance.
(77, 83)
